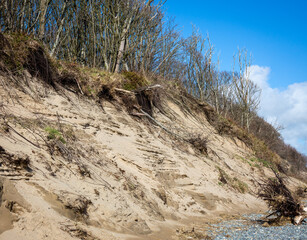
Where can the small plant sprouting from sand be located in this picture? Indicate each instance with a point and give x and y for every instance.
(54, 134)
(241, 186)
(235, 183)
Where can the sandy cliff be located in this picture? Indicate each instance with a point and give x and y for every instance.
(75, 168)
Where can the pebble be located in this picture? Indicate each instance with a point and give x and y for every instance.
(242, 229)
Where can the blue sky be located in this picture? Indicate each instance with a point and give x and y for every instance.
(275, 32)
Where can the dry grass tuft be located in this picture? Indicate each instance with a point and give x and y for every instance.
(200, 143)
(133, 81)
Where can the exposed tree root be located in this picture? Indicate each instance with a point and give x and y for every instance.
(282, 202)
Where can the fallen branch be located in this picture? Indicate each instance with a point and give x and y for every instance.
(79, 86)
(153, 86)
(22, 136)
(142, 89)
(124, 91)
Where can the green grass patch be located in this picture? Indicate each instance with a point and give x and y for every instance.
(239, 185)
(54, 134)
(257, 162)
(235, 183)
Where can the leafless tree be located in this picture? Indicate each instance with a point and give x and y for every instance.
(199, 52)
(246, 92)
(112, 34)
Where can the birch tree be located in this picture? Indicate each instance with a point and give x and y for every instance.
(247, 93)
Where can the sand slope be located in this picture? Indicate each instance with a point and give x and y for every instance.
(116, 176)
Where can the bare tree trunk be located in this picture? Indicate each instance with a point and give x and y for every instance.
(93, 34)
(123, 39)
(22, 15)
(8, 18)
(59, 31)
(120, 55)
(43, 5)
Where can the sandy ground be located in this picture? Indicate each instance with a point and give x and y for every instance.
(114, 176)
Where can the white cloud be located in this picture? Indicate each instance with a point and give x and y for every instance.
(260, 75)
(287, 107)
